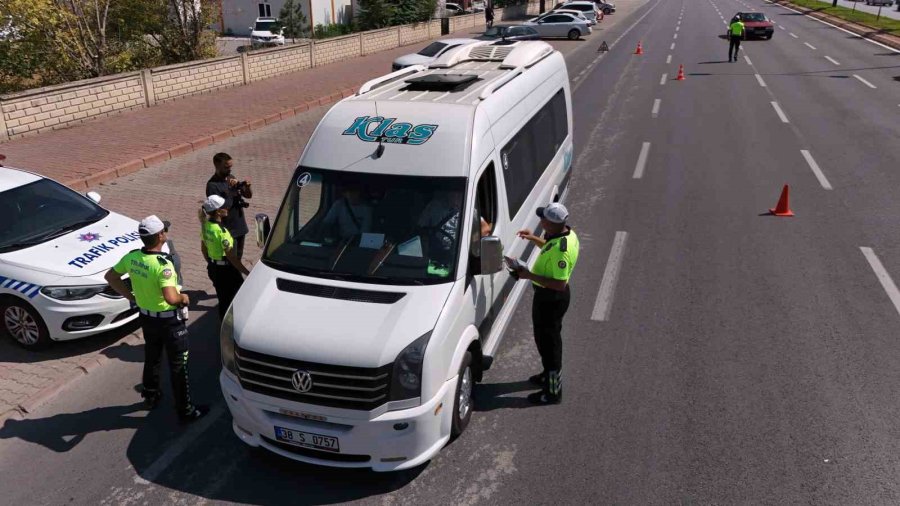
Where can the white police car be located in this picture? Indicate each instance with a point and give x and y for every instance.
(55, 247)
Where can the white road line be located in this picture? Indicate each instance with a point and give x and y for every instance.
(883, 277)
(668, 59)
(748, 60)
(794, 36)
(809, 45)
(663, 79)
(779, 112)
(867, 83)
(816, 170)
(761, 82)
(879, 44)
(675, 36)
(603, 305)
(642, 161)
(672, 47)
(832, 60)
(155, 470)
(677, 27)
(779, 26)
(655, 112)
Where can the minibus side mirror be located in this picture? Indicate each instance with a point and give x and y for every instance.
(93, 196)
(262, 229)
(491, 255)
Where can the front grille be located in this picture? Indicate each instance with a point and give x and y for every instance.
(316, 454)
(335, 386)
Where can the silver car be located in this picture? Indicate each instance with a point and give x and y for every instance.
(560, 25)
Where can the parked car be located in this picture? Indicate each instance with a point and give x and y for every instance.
(55, 247)
(606, 8)
(454, 9)
(757, 24)
(880, 2)
(586, 7)
(578, 14)
(560, 25)
(429, 53)
(511, 33)
(266, 32)
(478, 5)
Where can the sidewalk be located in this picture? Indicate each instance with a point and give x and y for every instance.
(101, 150)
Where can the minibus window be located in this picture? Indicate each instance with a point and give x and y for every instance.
(369, 227)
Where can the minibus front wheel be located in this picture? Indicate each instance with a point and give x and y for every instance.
(463, 400)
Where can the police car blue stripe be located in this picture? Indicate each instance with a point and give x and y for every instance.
(34, 292)
(2, 279)
(18, 285)
(26, 288)
(9, 283)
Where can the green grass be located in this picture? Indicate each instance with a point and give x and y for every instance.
(884, 25)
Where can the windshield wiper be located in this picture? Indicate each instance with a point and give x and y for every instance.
(19, 245)
(66, 229)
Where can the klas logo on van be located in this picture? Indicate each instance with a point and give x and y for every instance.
(376, 128)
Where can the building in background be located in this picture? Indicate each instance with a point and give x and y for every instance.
(237, 16)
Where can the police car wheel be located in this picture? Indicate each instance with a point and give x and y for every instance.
(23, 324)
(463, 401)
(574, 34)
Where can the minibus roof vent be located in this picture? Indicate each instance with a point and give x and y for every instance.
(441, 82)
(498, 53)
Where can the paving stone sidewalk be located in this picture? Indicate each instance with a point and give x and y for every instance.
(175, 128)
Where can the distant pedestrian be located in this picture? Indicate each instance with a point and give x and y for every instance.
(224, 184)
(736, 33)
(489, 15)
(163, 312)
(550, 278)
(223, 267)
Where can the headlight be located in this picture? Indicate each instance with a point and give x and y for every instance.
(406, 382)
(226, 342)
(72, 292)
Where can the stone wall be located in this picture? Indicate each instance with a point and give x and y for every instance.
(43, 109)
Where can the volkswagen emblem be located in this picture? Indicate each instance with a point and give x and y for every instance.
(302, 381)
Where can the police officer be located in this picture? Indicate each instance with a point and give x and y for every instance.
(217, 245)
(550, 278)
(163, 308)
(736, 33)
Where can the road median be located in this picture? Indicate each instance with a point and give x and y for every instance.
(884, 30)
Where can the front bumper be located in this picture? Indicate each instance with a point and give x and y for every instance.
(364, 442)
(57, 315)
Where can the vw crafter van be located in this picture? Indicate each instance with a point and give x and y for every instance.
(381, 297)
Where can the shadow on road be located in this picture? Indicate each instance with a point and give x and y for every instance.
(13, 353)
(61, 433)
(491, 396)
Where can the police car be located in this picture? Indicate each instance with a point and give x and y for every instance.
(55, 247)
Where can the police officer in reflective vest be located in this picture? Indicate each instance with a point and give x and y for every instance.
(163, 310)
(736, 32)
(217, 245)
(550, 278)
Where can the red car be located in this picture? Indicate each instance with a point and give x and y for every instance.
(757, 24)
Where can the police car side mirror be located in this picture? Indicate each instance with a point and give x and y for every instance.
(93, 196)
(262, 229)
(491, 255)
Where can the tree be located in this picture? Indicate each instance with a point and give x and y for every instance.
(293, 20)
(376, 14)
(179, 28)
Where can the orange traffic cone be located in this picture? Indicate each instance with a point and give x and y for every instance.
(640, 49)
(680, 73)
(783, 208)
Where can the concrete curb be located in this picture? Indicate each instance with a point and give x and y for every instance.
(864, 31)
(85, 367)
(181, 149)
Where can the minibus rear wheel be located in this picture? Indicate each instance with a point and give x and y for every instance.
(464, 400)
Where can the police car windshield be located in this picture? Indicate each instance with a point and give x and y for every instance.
(370, 228)
(39, 211)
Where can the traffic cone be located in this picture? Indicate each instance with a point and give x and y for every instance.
(640, 49)
(783, 208)
(680, 73)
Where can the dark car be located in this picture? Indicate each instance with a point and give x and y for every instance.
(511, 32)
(757, 24)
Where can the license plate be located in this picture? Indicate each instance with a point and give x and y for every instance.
(307, 439)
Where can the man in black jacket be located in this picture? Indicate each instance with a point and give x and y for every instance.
(224, 184)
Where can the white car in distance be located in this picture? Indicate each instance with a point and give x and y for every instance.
(266, 32)
(429, 53)
(560, 25)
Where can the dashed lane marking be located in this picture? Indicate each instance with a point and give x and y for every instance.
(663, 79)
(655, 111)
(668, 59)
(779, 112)
(672, 47)
(816, 170)
(641, 161)
(759, 79)
(792, 35)
(832, 60)
(747, 58)
(867, 83)
(809, 45)
(883, 277)
(603, 304)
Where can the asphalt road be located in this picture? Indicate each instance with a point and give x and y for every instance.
(742, 358)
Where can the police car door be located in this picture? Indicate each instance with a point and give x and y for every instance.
(485, 286)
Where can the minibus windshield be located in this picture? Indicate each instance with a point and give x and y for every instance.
(371, 228)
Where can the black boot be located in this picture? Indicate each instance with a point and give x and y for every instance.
(193, 413)
(538, 379)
